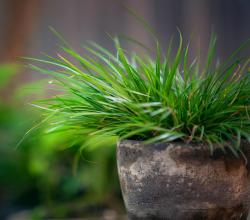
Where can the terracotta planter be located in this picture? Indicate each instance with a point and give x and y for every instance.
(176, 181)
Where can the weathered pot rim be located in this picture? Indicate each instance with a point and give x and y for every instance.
(200, 146)
(178, 142)
(193, 144)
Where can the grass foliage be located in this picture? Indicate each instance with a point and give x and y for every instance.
(165, 98)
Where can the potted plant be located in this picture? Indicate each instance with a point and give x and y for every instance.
(182, 130)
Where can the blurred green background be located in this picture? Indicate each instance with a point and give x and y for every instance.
(42, 177)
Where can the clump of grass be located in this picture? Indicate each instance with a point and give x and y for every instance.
(150, 99)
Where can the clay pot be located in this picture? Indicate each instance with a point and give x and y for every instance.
(178, 181)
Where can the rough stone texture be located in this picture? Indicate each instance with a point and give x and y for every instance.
(176, 181)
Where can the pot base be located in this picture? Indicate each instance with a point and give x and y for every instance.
(237, 213)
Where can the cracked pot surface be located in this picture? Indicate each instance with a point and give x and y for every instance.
(179, 181)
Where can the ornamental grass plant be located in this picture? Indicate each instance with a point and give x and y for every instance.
(166, 97)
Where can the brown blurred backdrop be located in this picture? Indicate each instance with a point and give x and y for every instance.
(24, 23)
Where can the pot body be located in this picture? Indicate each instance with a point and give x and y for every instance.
(178, 181)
